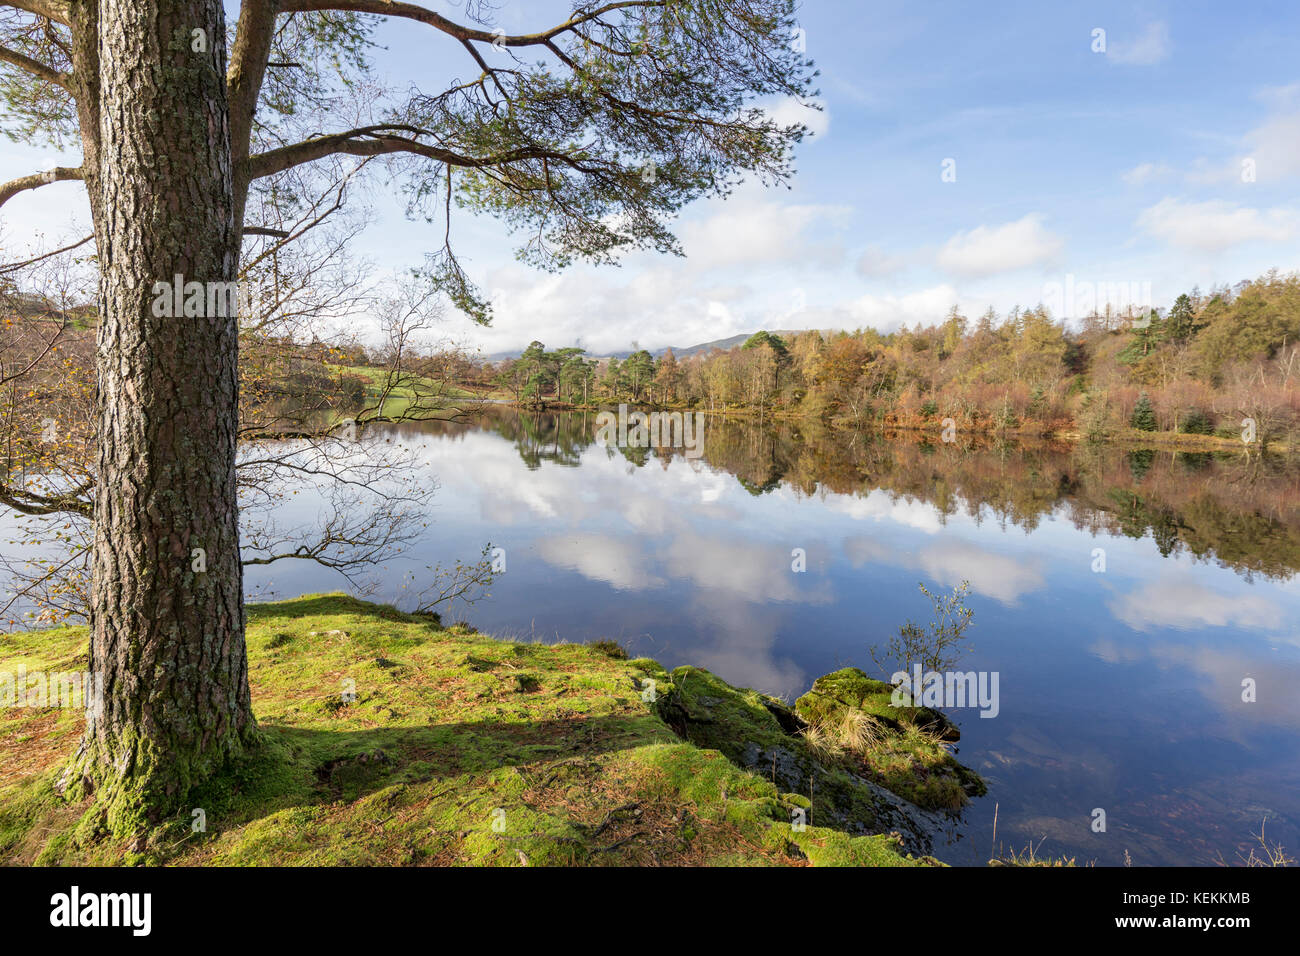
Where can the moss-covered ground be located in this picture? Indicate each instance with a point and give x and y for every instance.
(392, 740)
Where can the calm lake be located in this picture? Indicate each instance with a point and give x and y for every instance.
(1120, 689)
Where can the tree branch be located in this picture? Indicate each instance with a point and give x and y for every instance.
(247, 70)
(380, 140)
(266, 231)
(15, 266)
(59, 173)
(56, 10)
(412, 11)
(36, 67)
(29, 503)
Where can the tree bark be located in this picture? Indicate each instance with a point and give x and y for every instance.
(167, 637)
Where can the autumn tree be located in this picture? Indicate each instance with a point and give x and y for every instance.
(181, 118)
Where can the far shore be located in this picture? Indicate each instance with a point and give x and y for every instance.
(1175, 441)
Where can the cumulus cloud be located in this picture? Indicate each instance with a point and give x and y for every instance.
(1217, 224)
(1187, 604)
(618, 562)
(888, 312)
(991, 574)
(989, 250)
(753, 230)
(881, 506)
(952, 561)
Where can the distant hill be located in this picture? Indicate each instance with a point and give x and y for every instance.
(724, 344)
(680, 351)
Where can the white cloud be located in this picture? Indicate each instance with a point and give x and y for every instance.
(1188, 604)
(952, 561)
(1145, 173)
(988, 250)
(605, 310)
(742, 568)
(994, 575)
(876, 263)
(616, 561)
(1148, 48)
(789, 111)
(888, 312)
(750, 261)
(752, 230)
(1216, 224)
(879, 505)
(1271, 151)
(1275, 148)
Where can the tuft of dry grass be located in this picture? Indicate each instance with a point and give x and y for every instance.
(1029, 857)
(1263, 854)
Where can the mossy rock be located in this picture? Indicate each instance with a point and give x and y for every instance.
(762, 734)
(849, 688)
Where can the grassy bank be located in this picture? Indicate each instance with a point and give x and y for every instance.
(401, 396)
(461, 749)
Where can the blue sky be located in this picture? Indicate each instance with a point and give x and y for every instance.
(1123, 166)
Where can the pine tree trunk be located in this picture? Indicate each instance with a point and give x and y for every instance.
(167, 612)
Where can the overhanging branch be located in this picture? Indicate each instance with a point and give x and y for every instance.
(36, 180)
(413, 11)
(382, 140)
(36, 68)
(56, 10)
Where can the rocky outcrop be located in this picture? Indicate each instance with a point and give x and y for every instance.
(849, 688)
(768, 737)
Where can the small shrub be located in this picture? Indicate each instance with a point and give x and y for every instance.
(610, 649)
(1144, 415)
(1197, 422)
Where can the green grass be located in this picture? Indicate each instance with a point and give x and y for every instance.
(851, 717)
(400, 398)
(457, 749)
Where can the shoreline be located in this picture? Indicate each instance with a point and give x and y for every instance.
(486, 751)
(1176, 441)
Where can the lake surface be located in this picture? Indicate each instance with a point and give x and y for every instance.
(1119, 689)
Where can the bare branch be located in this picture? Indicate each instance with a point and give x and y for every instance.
(15, 266)
(36, 180)
(265, 231)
